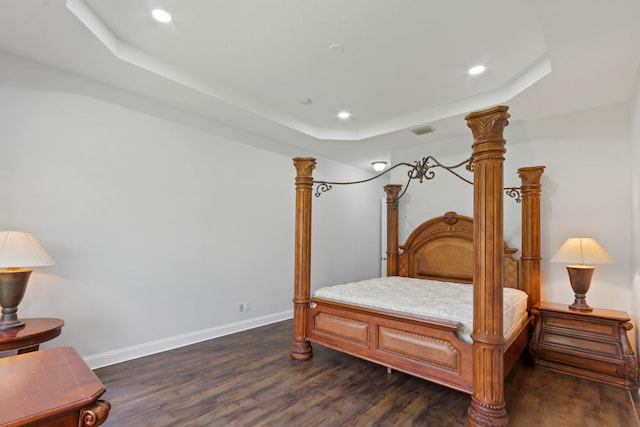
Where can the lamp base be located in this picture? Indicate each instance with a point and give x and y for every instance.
(580, 278)
(580, 306)
(6, 324)
(13, 284)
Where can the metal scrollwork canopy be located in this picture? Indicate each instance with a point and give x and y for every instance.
(421, 170)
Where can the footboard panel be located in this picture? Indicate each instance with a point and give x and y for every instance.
(423, 347)
(419, 347)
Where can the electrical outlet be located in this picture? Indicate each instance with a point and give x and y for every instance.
(244, 306)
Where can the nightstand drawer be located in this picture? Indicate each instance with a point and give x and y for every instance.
(599, 329)
(577, 360)
(584, 345)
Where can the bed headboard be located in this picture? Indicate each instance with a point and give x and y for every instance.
(442, 249)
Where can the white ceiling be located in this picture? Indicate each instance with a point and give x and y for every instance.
(248, 63)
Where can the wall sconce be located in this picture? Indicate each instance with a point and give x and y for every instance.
(18, 252)
(579, 251)
(379, 166)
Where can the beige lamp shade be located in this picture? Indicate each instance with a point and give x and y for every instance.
(577, 252)
(581, 251)
(20, 249)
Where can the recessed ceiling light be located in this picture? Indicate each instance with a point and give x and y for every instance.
(344, 115)
(336, 48)
(161, 15)
(478, 69)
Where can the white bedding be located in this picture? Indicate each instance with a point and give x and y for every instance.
(431, 298)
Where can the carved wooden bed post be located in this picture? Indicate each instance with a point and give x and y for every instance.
(392, 191)
(301, 348)
(487, 403)
(530, 258)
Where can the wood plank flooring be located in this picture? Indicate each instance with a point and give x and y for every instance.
(248, 379)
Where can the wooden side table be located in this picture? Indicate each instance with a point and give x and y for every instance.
(29, 337)
(53, 388)
(592, 345)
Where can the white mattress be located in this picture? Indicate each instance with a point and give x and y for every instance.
(430, 298)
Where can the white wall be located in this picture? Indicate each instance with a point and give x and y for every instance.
(635, 211)
(586, 190)
(347, 243)
(161, 223)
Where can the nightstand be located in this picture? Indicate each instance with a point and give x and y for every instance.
(53, 387)
(592, 345)
(28, 338)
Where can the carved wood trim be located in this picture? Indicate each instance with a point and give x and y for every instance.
(430, 350)
(630, 370)
(392, 191)
(95, 415)
(342, 327)
(487, 405)
(301, 348)
(530, 258)
(442, 249)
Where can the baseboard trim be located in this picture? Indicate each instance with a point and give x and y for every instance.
(134, 352)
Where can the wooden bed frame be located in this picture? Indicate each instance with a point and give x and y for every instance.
(451, 248)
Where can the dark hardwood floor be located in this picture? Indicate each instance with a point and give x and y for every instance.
(248, 379)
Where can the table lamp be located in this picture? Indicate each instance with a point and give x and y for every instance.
(18, 252)
(579, 251)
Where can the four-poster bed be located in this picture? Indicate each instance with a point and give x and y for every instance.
(450, 248)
